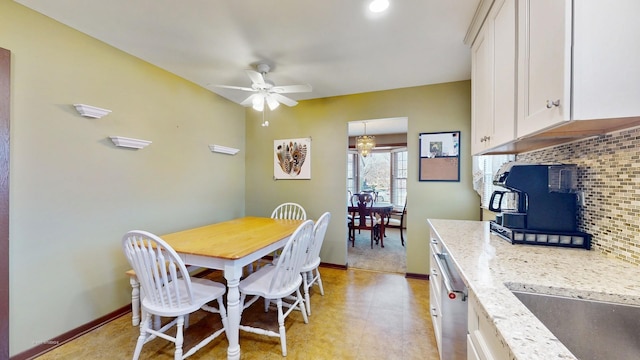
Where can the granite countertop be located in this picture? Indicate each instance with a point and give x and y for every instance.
(491, 267)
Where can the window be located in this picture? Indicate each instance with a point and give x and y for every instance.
(383, 171)
(399, 177)
(487, 166)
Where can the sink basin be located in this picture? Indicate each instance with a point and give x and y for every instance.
(589, 329)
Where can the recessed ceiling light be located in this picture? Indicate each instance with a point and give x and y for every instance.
(377, 6)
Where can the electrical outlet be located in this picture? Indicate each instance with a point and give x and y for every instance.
(580, 198)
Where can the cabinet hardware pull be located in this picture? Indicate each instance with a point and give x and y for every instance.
(551, 104)
(446, 278)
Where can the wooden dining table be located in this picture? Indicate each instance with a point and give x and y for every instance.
(230, 246)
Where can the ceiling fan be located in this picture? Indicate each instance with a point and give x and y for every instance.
(265, 91)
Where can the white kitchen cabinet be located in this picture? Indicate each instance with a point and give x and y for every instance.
(435, 289)
(546, 72)
(493, 75)
(481, 92)
(577, 60)
(545, 64)
(483, 342)
(447, 302)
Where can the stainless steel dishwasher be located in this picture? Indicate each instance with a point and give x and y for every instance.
(448, 299)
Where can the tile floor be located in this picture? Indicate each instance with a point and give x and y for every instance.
(363, 315)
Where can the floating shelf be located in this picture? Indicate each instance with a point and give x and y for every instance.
(223, 149)
(91, 111)
(129, 142)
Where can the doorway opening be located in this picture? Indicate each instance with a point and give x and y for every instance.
(383, 173)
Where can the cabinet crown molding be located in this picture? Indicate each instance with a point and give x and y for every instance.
(476, 22)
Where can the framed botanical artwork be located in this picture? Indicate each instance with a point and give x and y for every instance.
(439, 156)
(292, 159)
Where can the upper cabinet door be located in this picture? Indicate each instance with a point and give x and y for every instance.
(493, 74)
(606, 48)
(481, 91)
(503, 18)
(544, 73)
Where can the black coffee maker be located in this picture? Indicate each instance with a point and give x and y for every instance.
(540, 197)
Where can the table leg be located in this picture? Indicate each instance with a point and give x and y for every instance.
(382, 231)
(232, 274)
(135, 300)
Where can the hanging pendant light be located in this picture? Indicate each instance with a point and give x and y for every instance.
(365, 143)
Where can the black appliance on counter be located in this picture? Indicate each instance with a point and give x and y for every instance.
(539, 206)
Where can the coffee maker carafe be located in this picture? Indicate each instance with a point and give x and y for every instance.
(539, 197)
(510, 206)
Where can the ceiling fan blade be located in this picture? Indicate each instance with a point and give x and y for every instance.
(284, 100)
(272, 102)
(249, 101)
(291, 89)
(255, 77)
(234, 87)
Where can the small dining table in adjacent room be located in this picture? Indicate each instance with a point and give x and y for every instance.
(230, 246)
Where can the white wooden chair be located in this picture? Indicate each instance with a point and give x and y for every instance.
(310, 271)
(280, 283)
(169, 291)
(289, 210)
(137, 294)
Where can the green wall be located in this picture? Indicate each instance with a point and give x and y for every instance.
(74, 194)
(433, 108)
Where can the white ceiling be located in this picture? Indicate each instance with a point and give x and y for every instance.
(336, 46)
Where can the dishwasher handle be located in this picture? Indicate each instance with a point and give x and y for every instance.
(446, 277)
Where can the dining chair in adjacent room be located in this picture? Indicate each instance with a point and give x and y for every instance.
(363, 218)
(396, 220)
(279, 283)
(289, 210)
(169, 291)
(310, 269)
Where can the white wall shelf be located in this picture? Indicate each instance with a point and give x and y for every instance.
(91, 111)
(129, 142)
(223, 149)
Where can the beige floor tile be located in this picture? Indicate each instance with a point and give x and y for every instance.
(363, 315)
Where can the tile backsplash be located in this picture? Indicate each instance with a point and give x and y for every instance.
(609, 176)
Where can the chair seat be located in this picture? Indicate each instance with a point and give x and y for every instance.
(368, 222)
(394, 222)
(259, 282)
(204, 291)
(310, 266)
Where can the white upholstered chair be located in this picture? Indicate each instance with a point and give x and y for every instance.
(289, 210)
(169, 291)
(310, 271)
(396, 219)
(279, 283)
